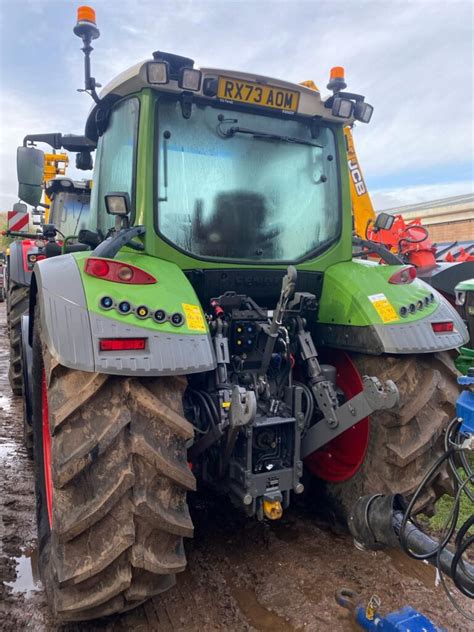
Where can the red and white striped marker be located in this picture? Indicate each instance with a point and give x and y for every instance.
(17, 220)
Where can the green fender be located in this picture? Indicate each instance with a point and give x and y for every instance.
(360, 310)
(75, 319)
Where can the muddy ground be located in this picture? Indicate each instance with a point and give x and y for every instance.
(242, 575)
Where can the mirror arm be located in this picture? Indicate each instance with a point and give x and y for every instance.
(110, 247)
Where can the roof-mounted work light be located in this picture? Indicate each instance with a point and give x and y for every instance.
(190, 79)
(363, 112)
(157, 72)
(342, 108)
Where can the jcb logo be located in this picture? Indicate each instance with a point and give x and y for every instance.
(356, 176)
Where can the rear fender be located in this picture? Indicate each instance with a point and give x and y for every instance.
(361, 311)
(72, 324)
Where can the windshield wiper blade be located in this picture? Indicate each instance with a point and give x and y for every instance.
(232, 131)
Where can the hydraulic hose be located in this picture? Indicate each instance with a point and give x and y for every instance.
(377, 521)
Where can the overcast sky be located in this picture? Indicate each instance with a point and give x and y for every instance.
(413, 60)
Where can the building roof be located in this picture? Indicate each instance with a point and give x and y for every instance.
(445, 203)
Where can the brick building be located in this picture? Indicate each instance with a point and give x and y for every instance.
(448, 220)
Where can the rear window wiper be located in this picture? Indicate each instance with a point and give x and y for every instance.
(232, 131)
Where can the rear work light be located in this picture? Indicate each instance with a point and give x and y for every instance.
(122, 344)
(443, 328)
(404, 276)
(118, 272)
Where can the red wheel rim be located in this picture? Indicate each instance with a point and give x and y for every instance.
(340, 459)
(46, 432)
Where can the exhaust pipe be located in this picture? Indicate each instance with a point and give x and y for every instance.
(376, 523)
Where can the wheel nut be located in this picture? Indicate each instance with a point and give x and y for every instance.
(299, 488)
(247, 499)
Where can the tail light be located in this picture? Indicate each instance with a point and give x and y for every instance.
(404, 276)
(122, 344)
(118, 272)
(443, 328)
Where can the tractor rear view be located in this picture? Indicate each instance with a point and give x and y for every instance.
(218, 333)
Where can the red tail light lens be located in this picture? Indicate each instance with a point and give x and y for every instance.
(97, 267)
(118, 272)
(122, 344)
(443, 328)
(404, 276)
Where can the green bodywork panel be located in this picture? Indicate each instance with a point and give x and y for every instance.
(465, 360)
(171, 291)
(465, 286)
(348, 285)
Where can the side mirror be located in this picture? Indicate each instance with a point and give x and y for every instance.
(384, 221)
(30, 167)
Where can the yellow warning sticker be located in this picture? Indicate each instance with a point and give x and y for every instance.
(384, 308)
(194, 317)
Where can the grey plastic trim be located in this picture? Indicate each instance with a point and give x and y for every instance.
(419, 337)
(64, 317)
(166, 353)
(72, 333)
(416, 337)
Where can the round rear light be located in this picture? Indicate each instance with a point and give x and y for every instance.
(177, 319)
(99, 268)
(125, 273)
(106, 302)
(142, 311)
(160, 315)
(124, 307)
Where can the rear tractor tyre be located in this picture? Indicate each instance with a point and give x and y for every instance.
(18, 303)
(406, 440)
(111, 483)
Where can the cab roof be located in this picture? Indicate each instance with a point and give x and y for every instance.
(135, 78)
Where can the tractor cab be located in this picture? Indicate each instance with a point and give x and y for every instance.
(225, 168)
(70, 204)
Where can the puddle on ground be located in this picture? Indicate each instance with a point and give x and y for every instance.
(7, 450)
(5, 403)
(257, 615)
(27, 580)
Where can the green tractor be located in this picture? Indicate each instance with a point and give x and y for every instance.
(219, 335)
(465, 305)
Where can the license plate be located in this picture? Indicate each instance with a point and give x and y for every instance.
(252, 93)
